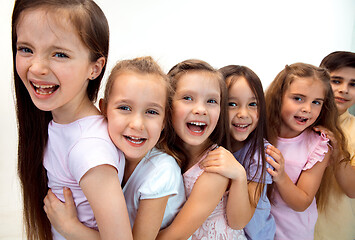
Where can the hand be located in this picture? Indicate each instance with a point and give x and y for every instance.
(332, 141)
(278, 162)
(223, 162)
(62, 216)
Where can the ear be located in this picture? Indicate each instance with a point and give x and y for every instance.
(97, 68)
(103, 107)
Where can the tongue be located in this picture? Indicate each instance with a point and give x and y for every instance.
(194, 128)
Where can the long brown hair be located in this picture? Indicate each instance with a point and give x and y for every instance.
(232, 73)
(92, 28)
(218, 136)
(327, 118)
(143, 65)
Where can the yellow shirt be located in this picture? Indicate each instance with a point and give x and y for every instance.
(338, 219)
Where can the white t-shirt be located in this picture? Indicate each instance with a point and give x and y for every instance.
(156, 175)
(72, 150)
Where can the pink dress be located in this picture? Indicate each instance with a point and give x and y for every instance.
(215, 227)
(300, 153)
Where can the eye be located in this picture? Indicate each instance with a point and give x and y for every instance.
(352, 84)
(297, 99)
(61, 55)
(253, 104)
(317, 102)
(24, 50)
(212, 101)
(187, 98)
(232, 104)
(335, 81)
(153, 112)
(124, 108)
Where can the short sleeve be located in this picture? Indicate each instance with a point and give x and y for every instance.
(320, 149)
(92, 152)
(163, 181)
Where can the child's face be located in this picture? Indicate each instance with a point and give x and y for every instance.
(301, 105)
(52, 61)
(343, 85)
(196, 107)
(243, 109)
(135, 113)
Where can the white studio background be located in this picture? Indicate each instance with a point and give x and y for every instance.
(263, 35)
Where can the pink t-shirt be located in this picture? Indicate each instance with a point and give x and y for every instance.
(215, 226)
(72, 150)
(300, 153)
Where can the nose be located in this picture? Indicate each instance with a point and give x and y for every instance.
(344, 88)
(242, 112)
(199, 108)
(39, 66)
(306, 108)
(137, 122)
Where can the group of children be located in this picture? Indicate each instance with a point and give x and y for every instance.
(197, 153)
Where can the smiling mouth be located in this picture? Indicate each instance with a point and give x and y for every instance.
(196, 127)
(44, 89)
(301, 119)
(241, 126)
(342, 100)
(135, 140)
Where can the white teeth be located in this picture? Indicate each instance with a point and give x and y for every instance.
(242, 125)
(44, 86)
(198, 123)
(135, 140)
(43, 93)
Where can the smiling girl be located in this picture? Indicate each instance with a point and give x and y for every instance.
(60, 52)
(299, 98)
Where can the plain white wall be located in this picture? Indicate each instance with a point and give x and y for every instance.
(263, 35)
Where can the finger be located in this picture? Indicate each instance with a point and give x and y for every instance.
(271, 172)
(68, 196)
(210, 163)
(273, 163)
(213, 169)
(273, 149)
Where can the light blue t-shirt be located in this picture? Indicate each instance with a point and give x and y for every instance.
(262, 225)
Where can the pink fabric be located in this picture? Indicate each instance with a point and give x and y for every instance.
(215, 227)
(72, 150)
(300, 153)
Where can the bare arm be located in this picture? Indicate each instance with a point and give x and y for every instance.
(206, 194)
(149, 218)
(239, 205)
(300, 195)
(102, 188)
(344, 172)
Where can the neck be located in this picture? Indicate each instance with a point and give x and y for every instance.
(130, 165)
(194, 153)
(236, 145)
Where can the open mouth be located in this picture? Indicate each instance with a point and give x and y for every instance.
(301, 119)
(44, 89)
(135, 140)
(196, 127)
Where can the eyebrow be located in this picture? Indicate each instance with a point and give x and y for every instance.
(336, 77)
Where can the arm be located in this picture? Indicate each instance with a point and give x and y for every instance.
(102, 188)
(206, 194)
(300, 195)
(239, 204)
(149, 218)
(343, 171)
(63, 217)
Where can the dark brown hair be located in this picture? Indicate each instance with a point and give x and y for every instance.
(337, 60)
(143, 65)
(231, 74)
(174, 144)
(328, 116)
(92, 28)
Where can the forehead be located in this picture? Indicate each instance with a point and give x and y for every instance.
(307, 86)
(239, 87)
(345, 72)
(202, 81)
(48, 20)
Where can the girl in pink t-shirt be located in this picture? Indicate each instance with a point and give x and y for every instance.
(198, 125)
(298, 99)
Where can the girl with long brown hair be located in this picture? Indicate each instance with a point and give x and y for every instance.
(60, 50)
